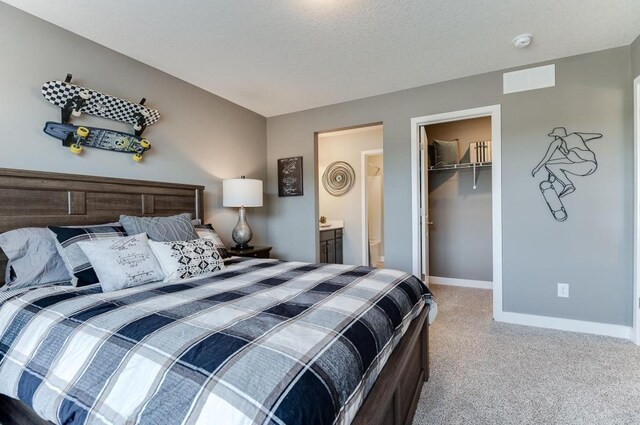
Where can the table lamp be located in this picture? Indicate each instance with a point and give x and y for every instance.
(242, 193)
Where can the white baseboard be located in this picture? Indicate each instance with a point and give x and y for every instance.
(595, 328)
(479, 284)
(557, 323)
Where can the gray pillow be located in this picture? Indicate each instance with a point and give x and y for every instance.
(446, 152)
(33, 258)
(161, 229)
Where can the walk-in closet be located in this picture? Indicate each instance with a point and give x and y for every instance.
(459, 202)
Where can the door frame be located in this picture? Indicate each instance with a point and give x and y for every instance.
(635, 332)
(493, 111)
(364, 201)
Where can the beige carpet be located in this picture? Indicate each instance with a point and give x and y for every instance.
(492, 373)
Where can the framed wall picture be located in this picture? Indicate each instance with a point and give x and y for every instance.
(290, 177)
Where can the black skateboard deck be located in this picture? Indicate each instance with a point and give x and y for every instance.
(75, 137)
(75, 100)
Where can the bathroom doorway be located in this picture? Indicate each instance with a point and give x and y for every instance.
(341, 187)
(372, 168)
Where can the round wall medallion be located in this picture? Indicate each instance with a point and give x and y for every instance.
(338, 178)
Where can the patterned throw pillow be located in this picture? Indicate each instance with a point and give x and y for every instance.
(182, 260)
(207, 231)
(77, 263)
(123, 262)
(161, 229)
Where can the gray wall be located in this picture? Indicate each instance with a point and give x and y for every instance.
(348, 207)
(460, 240)
(592, 250)
(200, 138)
(635, 57)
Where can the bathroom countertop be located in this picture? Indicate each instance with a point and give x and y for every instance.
(332, 225)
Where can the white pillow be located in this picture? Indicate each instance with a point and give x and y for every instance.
(182, 260)
(122, 262)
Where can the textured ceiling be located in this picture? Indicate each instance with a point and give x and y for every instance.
(280, 56)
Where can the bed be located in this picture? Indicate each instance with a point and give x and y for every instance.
(247, 345)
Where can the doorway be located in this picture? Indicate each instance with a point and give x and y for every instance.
(419, 184)
(458, 187)
(372, 201)
(636, 240)
(342, 231)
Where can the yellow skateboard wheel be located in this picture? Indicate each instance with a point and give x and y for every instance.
(144, 143)
(82, 131)
(137, 157)
(75, 149)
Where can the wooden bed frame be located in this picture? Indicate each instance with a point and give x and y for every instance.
(38, 199)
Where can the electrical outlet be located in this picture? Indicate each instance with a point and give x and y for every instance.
(563, 290)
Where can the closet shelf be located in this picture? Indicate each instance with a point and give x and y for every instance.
(460, 166)
(464, 166)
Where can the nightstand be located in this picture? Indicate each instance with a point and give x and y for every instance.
(253, 252)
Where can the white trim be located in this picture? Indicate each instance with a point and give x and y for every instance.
(494, 112)
(636, 215)
(425, 231)
(364, 205)
(465, 283)
(595, 328)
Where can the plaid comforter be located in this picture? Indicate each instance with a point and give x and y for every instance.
(262, 342)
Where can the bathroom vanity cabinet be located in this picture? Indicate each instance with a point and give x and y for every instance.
(331, 246)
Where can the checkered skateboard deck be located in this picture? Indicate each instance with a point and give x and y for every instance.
(98, 138)
(100, 104)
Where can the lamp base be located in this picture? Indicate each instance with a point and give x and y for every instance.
(242, 233)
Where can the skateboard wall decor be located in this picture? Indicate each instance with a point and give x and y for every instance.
(566, 156)
(75, 100)
(75, 138)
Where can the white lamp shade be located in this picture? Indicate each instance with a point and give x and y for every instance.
(242, 193)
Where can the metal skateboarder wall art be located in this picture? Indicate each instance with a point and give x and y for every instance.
(567, 155)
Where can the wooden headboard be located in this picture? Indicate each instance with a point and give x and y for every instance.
(39, 199)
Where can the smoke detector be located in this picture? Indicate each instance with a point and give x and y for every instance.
(523, 40)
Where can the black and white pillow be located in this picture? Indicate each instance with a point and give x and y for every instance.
(75, 260)
(207, 231)
(182, 260)
(161, 229)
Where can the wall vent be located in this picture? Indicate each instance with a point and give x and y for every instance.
(529, 79)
